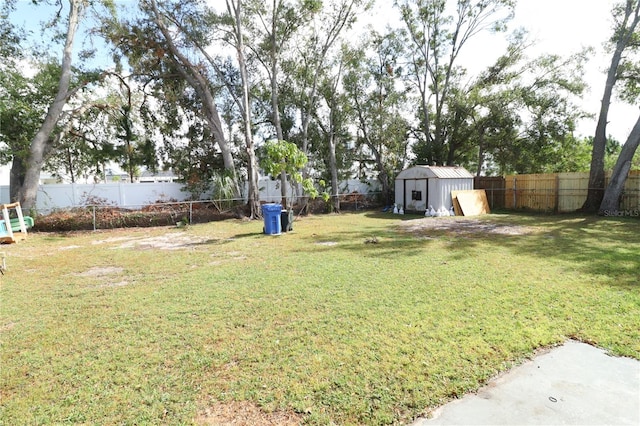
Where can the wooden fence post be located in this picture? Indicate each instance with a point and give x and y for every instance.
(557, 200)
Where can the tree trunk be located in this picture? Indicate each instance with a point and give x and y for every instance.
(342, 19)
(16, 177)
(480, 153)
(611, 199)
(335, 196)
(425, 120)
(41, 141)
(274, 96)
(192, 75)
(595, 192)
(333, 163)
(276, 122)
(383, 176)
(596, 172)
(480, 160)
(252, 164)
(70, 166)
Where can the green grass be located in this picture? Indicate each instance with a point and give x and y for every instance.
(315, 322)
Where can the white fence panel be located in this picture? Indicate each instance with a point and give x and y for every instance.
(5, 198)
(355, 185)
(270, 190)
(58, 196)
(133, 195)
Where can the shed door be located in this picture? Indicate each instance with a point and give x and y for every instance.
(415, 194)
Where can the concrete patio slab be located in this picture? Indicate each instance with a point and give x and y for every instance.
(573, 384)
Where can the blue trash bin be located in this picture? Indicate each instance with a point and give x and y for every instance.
(271, 214)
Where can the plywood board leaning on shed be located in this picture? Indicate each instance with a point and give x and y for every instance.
(470, 202)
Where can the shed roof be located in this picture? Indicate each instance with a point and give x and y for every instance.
(426, 172)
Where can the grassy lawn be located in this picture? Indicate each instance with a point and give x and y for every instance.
(351, 319)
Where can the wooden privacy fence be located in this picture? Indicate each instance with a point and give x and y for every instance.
(494, 186)
(553, 192)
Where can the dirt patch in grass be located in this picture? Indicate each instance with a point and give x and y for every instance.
(245, 414)
(70, 247)
(101, 271)
(169, 241)
(463, 226)
(327, 243)
(165, 242)
(113, 285)
(7, 327)
(111, 240)
(226, 257)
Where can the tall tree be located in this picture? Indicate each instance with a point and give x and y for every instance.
(332, 119)
(312, 56)
(543, 101)
(19, 100)
(518, 115)
(625, 40)
(68, 81)
(276, 24)
(102, 124)
(435, 39)
(236, 12)
(135, 150)
(312, 60)
(164, 44)
(191, 72)
(379, 106)
(42, 141)
(23, 102)
(613, 193)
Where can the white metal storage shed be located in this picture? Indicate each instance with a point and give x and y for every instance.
(419, 187)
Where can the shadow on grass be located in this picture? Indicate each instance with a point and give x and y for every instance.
(374, 243)
(208, 242)
(248, 235)
(607, 248)
(391, 216)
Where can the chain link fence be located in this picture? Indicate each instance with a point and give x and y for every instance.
(180, 213)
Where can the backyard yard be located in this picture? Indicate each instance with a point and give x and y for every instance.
(359, 318)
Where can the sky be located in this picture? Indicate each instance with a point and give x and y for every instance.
(560, 26)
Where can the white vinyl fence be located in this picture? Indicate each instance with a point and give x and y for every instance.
(135, 195)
